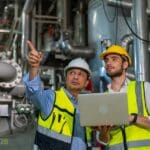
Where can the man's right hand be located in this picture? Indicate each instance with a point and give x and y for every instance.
(104, 132)
(34, 57)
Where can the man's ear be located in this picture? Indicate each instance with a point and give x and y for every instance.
(125, 65)
(86, 84)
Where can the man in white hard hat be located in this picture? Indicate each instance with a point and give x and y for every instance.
(58, 122)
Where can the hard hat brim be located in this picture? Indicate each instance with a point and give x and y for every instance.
(77, 67)
(103, 55)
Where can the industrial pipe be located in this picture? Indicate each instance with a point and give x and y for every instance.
(126, 41)
(125, 4)
(76, 51)
(25, 27)
(141, 53)
(10, 75)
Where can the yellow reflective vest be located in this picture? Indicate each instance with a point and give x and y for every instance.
(60, 122)
(136, 137)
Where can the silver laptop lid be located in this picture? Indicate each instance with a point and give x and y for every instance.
(103, 109)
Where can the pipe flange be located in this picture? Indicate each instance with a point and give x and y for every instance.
(18, 77)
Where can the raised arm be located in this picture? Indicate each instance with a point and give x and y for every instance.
(34, 59)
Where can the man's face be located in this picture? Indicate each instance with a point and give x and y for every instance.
(76, 79)
(115, 65)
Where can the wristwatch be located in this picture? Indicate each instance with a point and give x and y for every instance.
(134, 118)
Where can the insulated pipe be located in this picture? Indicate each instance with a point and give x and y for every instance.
(118, 3)
(125, 4)
(76, 51)
(141, 53)
(140, 20)
(126, 41)
(25, 28)
(63, 13)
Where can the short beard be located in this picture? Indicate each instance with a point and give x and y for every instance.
(116, 74)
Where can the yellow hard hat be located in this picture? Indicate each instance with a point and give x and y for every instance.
(116, 49)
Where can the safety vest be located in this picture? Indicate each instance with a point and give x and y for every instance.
(133, 137)
(60, 123)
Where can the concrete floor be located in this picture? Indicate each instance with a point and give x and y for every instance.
(21, 140)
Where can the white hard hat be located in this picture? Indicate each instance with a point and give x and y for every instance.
(78, 63)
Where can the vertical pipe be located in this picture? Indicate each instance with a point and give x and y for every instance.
(62, 13)
(148, 2)
(140, 47)
(25, 28)
(79, 25)
(39, 25)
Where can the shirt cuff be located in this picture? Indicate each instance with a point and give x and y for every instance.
(33, 85)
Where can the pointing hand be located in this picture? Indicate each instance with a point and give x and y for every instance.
(34, 57)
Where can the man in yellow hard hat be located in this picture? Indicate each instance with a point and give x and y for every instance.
(116, 49)
(58, 122)
(136, 135)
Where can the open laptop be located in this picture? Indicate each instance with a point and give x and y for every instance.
(103, 109)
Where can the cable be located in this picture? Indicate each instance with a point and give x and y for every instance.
(124, 16)
(105, 12)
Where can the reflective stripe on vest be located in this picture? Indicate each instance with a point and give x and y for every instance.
(136, 136)
(135, 145)
(54, 135)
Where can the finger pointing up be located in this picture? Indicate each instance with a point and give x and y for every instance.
(32, 48)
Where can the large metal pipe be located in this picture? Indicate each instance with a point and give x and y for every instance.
(63, 13)
(125, 4)
(76, 51)
(25, 28)
(126, 41)
(141, 53)
(10, 75)
(79, 25)
(118, 3)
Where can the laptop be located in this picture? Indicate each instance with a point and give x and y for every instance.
(103, 109)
